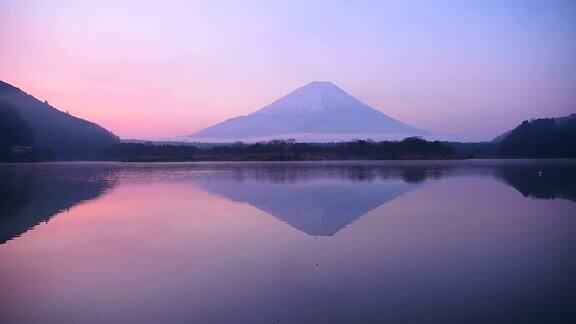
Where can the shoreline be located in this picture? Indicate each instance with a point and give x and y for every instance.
(287, 161)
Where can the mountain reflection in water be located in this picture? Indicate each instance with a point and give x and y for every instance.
(318, 199)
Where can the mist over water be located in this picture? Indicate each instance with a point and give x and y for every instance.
(438, 241)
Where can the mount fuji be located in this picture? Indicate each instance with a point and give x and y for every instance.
(315, 112)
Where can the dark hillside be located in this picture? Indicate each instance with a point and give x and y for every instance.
(68, 137)
(541, 138)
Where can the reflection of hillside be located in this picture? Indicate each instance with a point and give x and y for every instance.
(542, 181)
(317, 208)
(30, 195)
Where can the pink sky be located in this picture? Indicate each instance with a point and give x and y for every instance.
(149, 69)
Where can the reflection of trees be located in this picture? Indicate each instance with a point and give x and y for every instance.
(293, 172)
(33, 194)
(414, 176)
(545, 181)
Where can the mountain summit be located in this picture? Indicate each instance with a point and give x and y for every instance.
(315, 108)
(314, 97)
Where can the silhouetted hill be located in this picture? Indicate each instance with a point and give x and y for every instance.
(541, 138)
(68, 137)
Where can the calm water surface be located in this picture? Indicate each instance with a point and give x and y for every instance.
(454, 241)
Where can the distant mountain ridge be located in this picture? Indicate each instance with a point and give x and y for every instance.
(66, 136)
(315, 108)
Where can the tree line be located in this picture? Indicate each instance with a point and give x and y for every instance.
(281, 150)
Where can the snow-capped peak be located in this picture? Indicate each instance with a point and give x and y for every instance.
(314, 97)
(316, 108)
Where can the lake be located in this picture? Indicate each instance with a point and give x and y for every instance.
(296, 242)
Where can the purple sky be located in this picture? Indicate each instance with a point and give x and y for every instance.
(156, 69)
